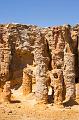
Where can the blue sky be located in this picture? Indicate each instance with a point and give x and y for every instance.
(40, 12)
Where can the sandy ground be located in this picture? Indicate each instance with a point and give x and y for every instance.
(26, 109)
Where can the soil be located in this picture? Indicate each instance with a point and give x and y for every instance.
(25, 108)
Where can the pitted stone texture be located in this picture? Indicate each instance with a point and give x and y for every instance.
(20, 45)
(57, 79)
(56, 44)
(5, 54)
(75, 37)
(77, 91)
(28, 79)
(41, 87)
(6, 95)
(27, 82)
(42, 61)
(69, 75)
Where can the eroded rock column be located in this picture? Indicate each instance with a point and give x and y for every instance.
(7, 92)
(41, 60)
(5, 56)
(58, 82)
(69, 75)
(57, 50)
(69, 66)
(56, 46)
(27, 82)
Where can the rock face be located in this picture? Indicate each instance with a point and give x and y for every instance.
(41, 60)
(27, 82)
(69, 66)
(58, 85)
(41, 56)
(7, 92)
(69, 75)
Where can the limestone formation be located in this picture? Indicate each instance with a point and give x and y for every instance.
(56, 43)
(27, 82)
(41, 60)
(77, 91)
(5, 54)
(58, 88)
(7, 92)
(44, 57)
(69, 66)
(69, 75)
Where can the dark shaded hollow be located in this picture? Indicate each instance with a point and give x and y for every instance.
(15, 101)
(19, 62)
(71, 102)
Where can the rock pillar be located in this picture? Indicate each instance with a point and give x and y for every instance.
(5, 56)
(7, 92)
(41, 60)
(69, 66)
(27, 82)
(69, 75)
(57, 62)
(58, 89)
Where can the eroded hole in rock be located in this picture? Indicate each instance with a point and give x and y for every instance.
(20, 61)
(59, 67)
(55, 75)
(65, 67)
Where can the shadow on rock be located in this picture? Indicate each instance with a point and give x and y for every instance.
(70, 103)
(15, 101)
